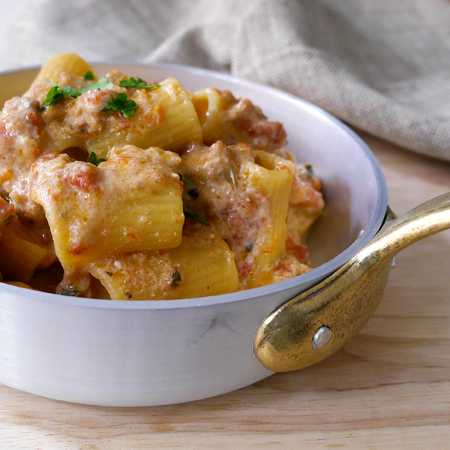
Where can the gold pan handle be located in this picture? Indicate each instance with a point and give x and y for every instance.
(316, 323)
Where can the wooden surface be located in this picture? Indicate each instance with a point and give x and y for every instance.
(388, 389)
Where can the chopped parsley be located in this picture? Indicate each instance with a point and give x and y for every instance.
(89, 75)
(93, 159)
(119, 103)
(196, 216)
(57, 93)
(54, 95)
(122, 104)
(138, 83)
(176, 279)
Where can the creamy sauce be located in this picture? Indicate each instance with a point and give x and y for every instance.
(39, 148)
(239, 211)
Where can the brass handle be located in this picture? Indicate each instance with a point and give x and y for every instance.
(317, 322)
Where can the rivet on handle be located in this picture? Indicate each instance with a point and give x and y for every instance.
(321, 337)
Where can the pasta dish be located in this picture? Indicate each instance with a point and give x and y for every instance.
(117, 187)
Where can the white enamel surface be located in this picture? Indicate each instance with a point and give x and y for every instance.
(149, 353)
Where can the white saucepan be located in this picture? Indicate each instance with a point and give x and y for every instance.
(125, 353)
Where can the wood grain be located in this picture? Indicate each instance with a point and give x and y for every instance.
(388, 389)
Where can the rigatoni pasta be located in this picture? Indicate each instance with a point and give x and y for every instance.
(275, 186)
(134, 189)
(225, 118)
(22, 254)
(131, 202)
(202, 265)
(62, 65)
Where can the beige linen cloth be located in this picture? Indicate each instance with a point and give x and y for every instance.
(381, 65)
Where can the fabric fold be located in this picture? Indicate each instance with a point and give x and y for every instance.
(383, 66)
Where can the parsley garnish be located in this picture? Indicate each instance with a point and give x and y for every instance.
(197, 217)
(122, 104)
(94, 160)
(176, 278)
(137, 83)
(89, 75)
(119, 103)
(56, 94)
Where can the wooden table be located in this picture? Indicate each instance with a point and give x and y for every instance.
(388, 389)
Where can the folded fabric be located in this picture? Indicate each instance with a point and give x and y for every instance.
(383, 66)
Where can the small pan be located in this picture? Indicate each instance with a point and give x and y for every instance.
(125, 353)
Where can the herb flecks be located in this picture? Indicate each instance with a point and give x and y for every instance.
(138, 83)
(196, 216)
(176, 279)
(89, 75)
(54, 95)
(119, 103)
(122, 104)
(57, 94)
(93, 159)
